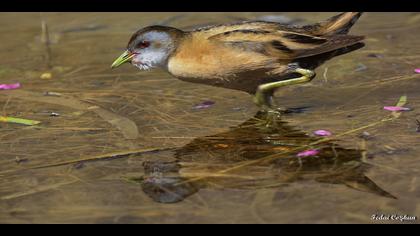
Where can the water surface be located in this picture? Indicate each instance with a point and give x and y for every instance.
(149, 157)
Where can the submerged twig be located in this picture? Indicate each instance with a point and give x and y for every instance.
(379, 82)
(113, 155)
(401, 102)
(363, 148)
(37, 190)
(45, 39)
(325, 75)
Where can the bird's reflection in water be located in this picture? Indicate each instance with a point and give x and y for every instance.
(200, 163)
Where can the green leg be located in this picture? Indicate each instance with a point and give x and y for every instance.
(264, 94)
(263, 97)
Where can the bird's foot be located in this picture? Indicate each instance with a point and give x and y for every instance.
(270, 120)
(273, 118)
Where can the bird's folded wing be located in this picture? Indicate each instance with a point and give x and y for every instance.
(283, 44)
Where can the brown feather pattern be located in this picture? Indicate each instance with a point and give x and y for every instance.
(245, 54)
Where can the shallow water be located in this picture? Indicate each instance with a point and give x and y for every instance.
(128, 147)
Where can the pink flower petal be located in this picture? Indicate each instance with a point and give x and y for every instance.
(9, 86)
(308, 153)
(396, 108)
(417, 70)
(322, 132)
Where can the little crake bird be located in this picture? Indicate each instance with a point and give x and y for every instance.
(253, 56)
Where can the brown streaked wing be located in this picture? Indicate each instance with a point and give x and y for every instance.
(283, 44)
(333, 43)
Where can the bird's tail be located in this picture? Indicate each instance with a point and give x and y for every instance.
(339, 24)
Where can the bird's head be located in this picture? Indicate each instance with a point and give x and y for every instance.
(150, 47)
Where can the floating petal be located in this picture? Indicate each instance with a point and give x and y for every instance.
(322, 132)
(308, 153)
(396, 108)
(9, 86)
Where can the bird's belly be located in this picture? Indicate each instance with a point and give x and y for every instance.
(227, 69)
(244, 81)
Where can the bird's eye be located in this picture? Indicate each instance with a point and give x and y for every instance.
(143, 44)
